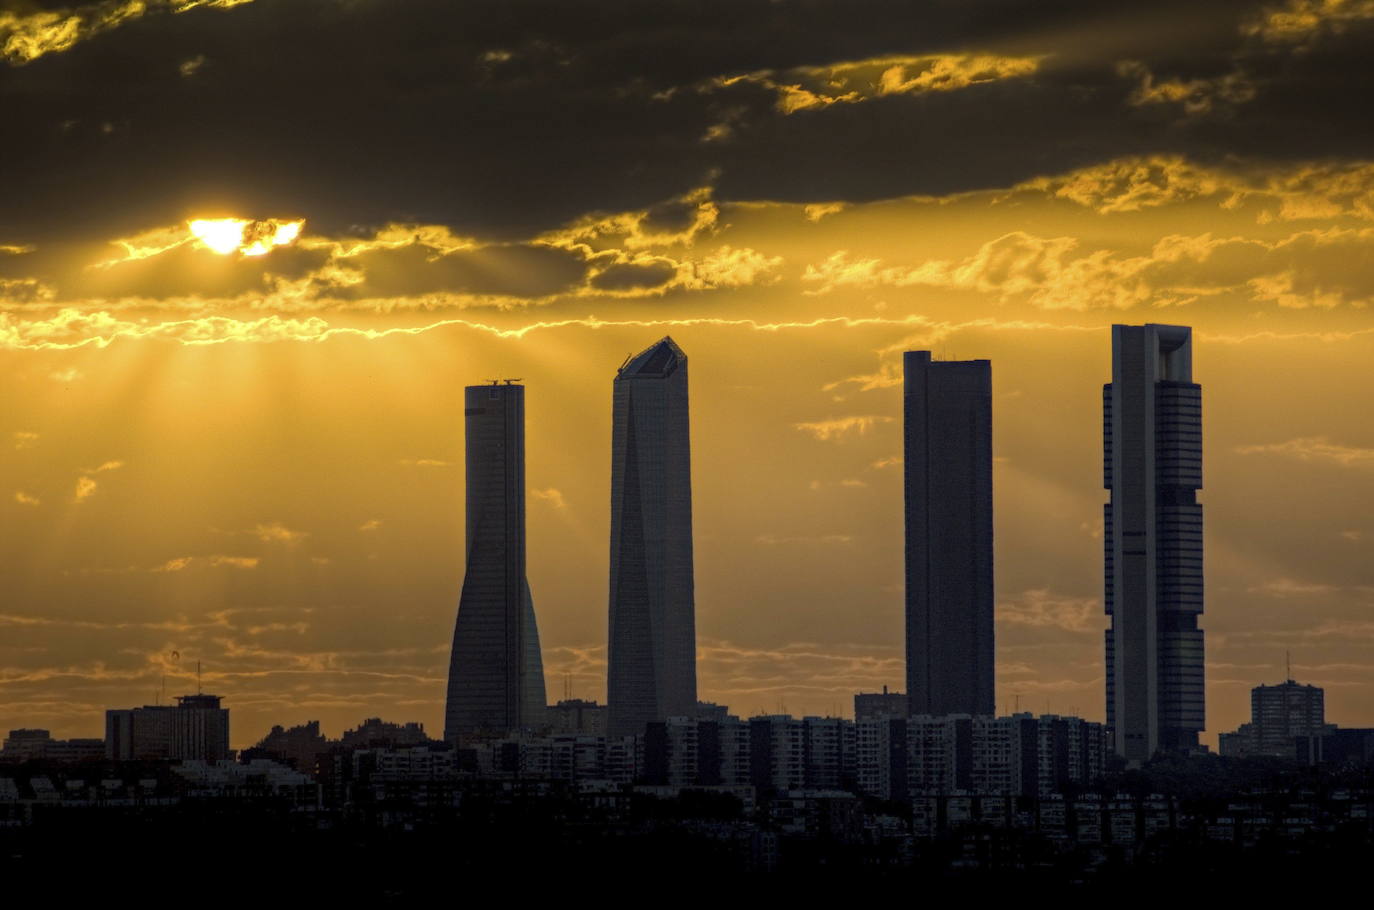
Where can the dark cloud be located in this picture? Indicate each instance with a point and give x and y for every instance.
(515, 270)
(188, 270)
(634, 276)
(503, 119)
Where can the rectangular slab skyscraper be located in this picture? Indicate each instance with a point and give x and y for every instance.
(496, 673)
(1152, 534)
(652, 673)
(947, 442)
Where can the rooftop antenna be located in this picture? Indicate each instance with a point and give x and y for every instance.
(1288, 664)
(198, 691)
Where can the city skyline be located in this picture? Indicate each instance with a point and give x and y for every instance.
(499, 389)
(251, 253)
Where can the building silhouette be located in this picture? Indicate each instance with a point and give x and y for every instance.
(577, 715)
(139, 734)
(1152, 536)
(299, 746)
(872, 705)
(196, 728)
(496, 673)
(652, 656)
(947, 445)
(38, 745)
(1279, 715)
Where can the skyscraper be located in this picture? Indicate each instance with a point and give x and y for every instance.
(947, 442)
(652, 660)
(1152, 535)
(496, 674)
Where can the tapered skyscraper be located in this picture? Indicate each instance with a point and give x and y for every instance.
(652, 672)
(496, 674)
(947, 442)
(1152, 532)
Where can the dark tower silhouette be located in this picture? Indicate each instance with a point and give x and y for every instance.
(1152, 536)
(496, 674)
(947, 441)
(652, 660)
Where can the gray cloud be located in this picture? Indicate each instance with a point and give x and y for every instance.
(504, 118)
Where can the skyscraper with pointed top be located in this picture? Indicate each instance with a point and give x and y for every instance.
(652, 660)
(1152, 536)
(496, 673)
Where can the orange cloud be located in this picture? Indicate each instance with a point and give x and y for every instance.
(1314, 449)
(852, 82)
(1042, 609)
(818, 210)
(24, 38)
(841, 427)
(71, 329)
(552, 496)
(1197, 96)
(276, 532)
(1301, 21)
(85, 487)
(1306, 191)
(185, 562)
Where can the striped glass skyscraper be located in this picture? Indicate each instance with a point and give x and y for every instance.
(496, 674)
(652, 673)
(1152, 534)
(947, 445)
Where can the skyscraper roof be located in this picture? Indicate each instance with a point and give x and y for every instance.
(659, 359)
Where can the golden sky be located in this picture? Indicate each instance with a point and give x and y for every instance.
(252, 252)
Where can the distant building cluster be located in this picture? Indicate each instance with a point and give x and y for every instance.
(890, 785)
(38, 745)
(888, 758)
(1289, 721)
(940, 740)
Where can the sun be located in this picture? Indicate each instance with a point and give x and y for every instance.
(251, 238)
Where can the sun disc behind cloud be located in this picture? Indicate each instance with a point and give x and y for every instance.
(223, 235)
(252, 238)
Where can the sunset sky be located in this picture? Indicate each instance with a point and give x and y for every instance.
(252, 250)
